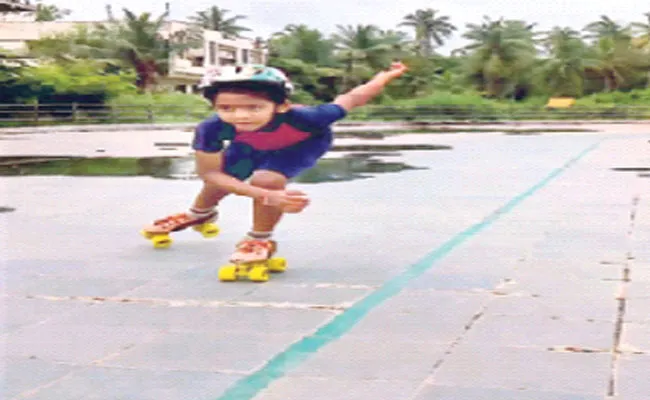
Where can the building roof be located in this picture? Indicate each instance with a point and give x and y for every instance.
(15, 6)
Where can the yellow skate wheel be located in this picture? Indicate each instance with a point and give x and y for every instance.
(208, 230)
(147, 235)
(161, 241)
(228, 273)
(277, 264)
(258, 274)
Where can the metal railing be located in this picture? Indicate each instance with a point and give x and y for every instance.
(83, 113)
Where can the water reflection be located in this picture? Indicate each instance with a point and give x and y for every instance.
(359, 165)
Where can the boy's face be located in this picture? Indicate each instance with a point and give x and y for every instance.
(246, 111)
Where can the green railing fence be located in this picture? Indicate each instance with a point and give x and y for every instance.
(82, 113)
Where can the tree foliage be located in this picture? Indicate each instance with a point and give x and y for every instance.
(503, 59)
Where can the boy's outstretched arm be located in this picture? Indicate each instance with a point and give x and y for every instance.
(361, 94)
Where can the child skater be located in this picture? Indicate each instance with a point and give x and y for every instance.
(270, 142)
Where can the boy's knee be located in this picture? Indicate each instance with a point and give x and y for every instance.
(269, 180)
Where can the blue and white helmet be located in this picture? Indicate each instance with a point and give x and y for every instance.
(247, 74)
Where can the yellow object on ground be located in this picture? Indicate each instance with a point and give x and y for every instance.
(560, 102)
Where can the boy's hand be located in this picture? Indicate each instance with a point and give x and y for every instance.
(396, 70)
(360, 95)
(289, 201)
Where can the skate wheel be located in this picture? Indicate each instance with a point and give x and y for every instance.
(277, 264)
(228, 273)
(259, 274)
(208, 230)
(147, 235)
(161, 241)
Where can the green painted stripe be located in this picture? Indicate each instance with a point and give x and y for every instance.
(249, 386)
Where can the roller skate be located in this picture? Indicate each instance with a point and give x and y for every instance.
(159, 231)
(253, 260)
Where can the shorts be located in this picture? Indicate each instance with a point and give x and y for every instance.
(241, 160)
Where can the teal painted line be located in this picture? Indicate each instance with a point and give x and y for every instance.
(249, 386)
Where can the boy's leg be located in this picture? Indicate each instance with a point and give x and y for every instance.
(275, 172)
(207, 200)
(265, 218)
(258, 243)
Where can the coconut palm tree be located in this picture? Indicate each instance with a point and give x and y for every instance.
(562, 72)
(429, 29)
(642, 40)
(303, 43)
(606, 28)
(498, 54)
(642, 33)
(360, 43)
(214, 18)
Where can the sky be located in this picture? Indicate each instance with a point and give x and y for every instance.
(265, 17)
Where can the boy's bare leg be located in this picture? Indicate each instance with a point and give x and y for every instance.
(208, 198)
(265, 218)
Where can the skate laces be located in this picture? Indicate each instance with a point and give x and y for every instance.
(254, 245)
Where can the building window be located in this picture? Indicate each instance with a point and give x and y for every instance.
(244, 56)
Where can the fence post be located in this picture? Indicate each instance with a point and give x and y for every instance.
(74, 111)
(36, 112)
(150, 116)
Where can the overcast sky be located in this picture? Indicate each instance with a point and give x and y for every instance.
(267, 16)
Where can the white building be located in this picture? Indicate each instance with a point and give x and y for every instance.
(218, 49)
(18, 28)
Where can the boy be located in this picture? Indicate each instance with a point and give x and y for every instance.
(270, 143)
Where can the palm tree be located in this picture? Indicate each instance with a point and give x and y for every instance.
(499, 53)
(303, 43)
(363, 43)
(606, 28)
(642, 29)
(563, 71)
(615, 61)
(214, 18)
(429, 28)
(642, 41)
(398, 42)
(48, 12)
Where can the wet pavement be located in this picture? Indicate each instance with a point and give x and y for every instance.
(500, 267)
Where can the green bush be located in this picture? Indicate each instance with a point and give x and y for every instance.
(636, 97)
(55, 83)
(437, 106)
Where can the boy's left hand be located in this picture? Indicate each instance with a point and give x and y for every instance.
(396, 70)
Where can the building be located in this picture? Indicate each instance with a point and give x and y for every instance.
(18, 28)
(218, 49)
(16, 7)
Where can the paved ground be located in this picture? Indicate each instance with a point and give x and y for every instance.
(513, 268)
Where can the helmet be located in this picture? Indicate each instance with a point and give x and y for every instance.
(250, 75)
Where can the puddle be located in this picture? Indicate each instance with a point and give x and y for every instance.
(352, 166)
(642, 172)
(632, 169)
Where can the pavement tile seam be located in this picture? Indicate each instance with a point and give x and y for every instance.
(100, 364)
(333, 308)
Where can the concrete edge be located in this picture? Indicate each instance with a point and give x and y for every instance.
(347, 126)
